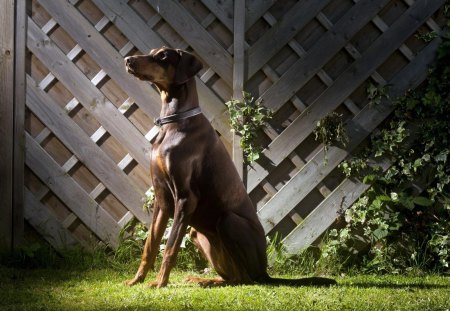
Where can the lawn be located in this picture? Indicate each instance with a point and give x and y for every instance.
(102, 289)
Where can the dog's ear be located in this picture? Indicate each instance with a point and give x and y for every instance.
(187, 68)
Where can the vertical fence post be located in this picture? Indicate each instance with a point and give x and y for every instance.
(238, 74)
(6, 122)
(19, 120)
(12, 58)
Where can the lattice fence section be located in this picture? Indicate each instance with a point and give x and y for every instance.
(89, 123)
(307, 59)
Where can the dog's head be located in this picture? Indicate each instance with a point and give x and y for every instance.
(164, 66)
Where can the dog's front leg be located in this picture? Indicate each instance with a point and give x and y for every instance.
(151, 247)
(182, 214)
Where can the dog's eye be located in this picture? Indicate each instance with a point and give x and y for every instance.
(162, 56)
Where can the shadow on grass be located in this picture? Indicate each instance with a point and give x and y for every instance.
(390, 285)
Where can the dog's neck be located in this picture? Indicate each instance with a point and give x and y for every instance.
(179, 98)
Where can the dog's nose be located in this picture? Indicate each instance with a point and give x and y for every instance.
(129, 60)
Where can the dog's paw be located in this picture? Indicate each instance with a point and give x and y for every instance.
(156, 284)
(191, 279)
(132, 282)
(205, 282)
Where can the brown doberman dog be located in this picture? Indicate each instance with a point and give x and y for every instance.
(197, 184)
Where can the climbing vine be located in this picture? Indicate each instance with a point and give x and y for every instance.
(247, 117)
(331, 131)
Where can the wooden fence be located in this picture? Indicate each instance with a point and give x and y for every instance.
(88, 123)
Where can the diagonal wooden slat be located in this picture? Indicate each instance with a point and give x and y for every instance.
(349, 47)
(350, 190)
(324, 215)
(89, 212)
(223, 10)
(127, 21)
(284, 30)
(255, 10)
(74, 52)
(272, 75)
(326, 47)
(197, 37)
(91, 98)
(138, 32)
(354, 75)
(103, 53)
(46, 224)
(85, 149)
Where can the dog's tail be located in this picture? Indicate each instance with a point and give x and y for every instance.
(310, 281)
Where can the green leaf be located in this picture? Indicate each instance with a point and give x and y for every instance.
(417, 163)
(442, 156)
(423, 201)
(376, 204)
(368, 179)
(384, 198)
(380, 233)
(394, 196)
(407, 202)
(426, 157)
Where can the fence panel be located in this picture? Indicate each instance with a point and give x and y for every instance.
(89, 123)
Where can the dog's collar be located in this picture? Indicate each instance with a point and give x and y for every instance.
(178, 116)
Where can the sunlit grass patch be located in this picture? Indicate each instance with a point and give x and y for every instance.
(103, 289)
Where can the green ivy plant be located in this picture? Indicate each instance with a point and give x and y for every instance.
(427, 36)
(149, 199)
(330, 131)
(377, 93)
(403, 220)
(247, 117)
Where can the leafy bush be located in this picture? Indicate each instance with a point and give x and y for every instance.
(403, 221)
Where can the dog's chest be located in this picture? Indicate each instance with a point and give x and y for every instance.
(166, 155)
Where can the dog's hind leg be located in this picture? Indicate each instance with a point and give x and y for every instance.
(245, 243)
(210, 247)
(236, 251)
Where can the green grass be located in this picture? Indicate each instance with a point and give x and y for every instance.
(102, 289)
